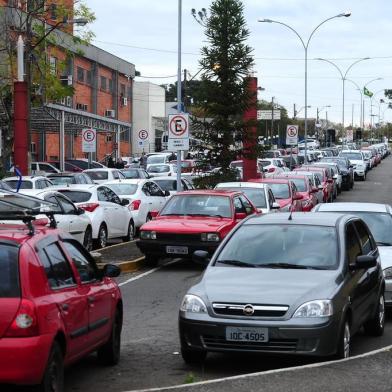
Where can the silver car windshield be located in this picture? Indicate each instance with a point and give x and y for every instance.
(277, 246)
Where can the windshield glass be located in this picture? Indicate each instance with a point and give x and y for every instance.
(160, 169)
(280, 191)
(98, 175)
(76, 196)
(297, 245)
(255, 195)
(355, 156)
(123, 189)
(156, 159)
(130, 174)
(198, 205)
(24, 185)
(9, 277)
(167, 185)
(300, 184)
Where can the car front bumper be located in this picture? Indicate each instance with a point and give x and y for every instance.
(359, 172)
(296, 337)
(388, 292)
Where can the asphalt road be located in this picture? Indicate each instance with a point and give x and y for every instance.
(150, 349)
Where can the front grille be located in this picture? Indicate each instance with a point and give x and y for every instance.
(276, 345)
(259, 310)
(178, 238)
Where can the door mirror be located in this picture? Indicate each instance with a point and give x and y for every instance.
(201, 257)
(111, 271)
(240, 215)
(167, 193)
(80, 211)
(154, 213)
(124, 202)
(365, 262)
(297, 196)
(275, 205)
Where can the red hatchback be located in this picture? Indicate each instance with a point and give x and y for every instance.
(193, 220)
(285, 192)
(56, 306)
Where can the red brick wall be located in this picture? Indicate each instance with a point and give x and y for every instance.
(83, 91)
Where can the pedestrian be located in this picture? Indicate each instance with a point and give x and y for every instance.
(120, 164)
(143, 160)
(172, 157)
(110, 162)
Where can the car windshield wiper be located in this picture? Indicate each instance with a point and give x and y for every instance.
(380, 243)
(286, 266)
(237, 263)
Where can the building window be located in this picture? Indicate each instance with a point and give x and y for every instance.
(129, 92)
(89, 78)
(53, 11)
(53, 65)
(103, 83)
(111, 86)
(109, 137)
(122, 90)
(81, 106)
(80, 74)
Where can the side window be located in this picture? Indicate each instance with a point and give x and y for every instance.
(121, 176)
(34, 166)
(155, 190)
(247, 205)
(102, 196)
(112, 196)
(146, 189)
(364, 237)
(52, 199)
(87, 271)
(87, 179)
(353, 247)
(238, 207)
(271, 198)
(79, 179)
(57, 268)
(47, 184)
(115, 174)
(47, 168)
(67, 206)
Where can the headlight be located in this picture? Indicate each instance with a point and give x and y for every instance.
(318, 308)
(148, 235)
(193, 304)
(210, 237)
(387, 273)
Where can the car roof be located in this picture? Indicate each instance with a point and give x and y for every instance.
(100, 169)
(240, 185)
(78, 187)
(63, 174)
(212, 192)
(134, 181)
(164, 178)
(29, 178)
(354, 207)
(20, 233)
(291, 174)
(274, 180)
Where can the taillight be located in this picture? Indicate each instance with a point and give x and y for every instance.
(271, 170)
(25, 322)
(135, 204)
(90, 207)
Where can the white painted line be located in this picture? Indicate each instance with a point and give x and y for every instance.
(148, 272)
(248, 375)
(115, 245)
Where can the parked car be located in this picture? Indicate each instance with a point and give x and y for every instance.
(170, 184)
(162, 170)
(28, 182)
(315, 182)
(304, 287)
(110, 216)
(158, 158)
(57, 307)
(83, 163)
(259, 194)
(346, 170)
(68, 167)
(335, 173)
(270, 166)
(133, 173)
(285, 193)
(192, 220)
(69, 178)
(378, 218)
(100, 176)
(144, 196)
(43, 167)
(357, 160)
(368, 158)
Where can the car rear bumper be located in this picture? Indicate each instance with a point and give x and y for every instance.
(23, 360)
(284, 337)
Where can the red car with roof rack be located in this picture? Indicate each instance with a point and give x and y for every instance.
(56, 306)
(193, 220)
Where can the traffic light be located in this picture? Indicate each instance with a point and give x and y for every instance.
(358, 134)
(331, 135)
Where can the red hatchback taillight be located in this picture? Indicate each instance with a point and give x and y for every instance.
(25, 322)
(271, 170)
(135, 204)
(90, 207)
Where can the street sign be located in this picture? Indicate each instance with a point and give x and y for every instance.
(89, 140)
(292, 135)
(350, 135)
(142, 136)
(178, 132)
(267, 114)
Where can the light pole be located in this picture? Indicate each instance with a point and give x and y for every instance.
(317, 118)
(364, 87)
(298, 111)
(305, 46)
(344, 78)
(361, 93)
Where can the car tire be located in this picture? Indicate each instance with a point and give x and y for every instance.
(151, 261)
(375, 326)
(193, 357)
(344, 342)
(102, 239)
(131, 232)
(148, 218)
(109, 353)
(53, 379)
(88, 239)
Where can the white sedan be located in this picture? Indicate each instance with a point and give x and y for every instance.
(270, 166)
(162, 170)
(144, 196)
(99, 176)
(28, 182)
(110, 216)
(170, 184)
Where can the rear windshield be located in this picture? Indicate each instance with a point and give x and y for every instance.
(24, 185)
(76, 196)
(123, 189)
(159, 169)
(9, 272)
(355, 156)
(280, 191)
(156, 159)
(167, 185)
(62, 180)
(131, 174)
(255, 195)
(98, 175)
(300, 184)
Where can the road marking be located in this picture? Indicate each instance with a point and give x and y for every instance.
(242, 376)
(148, 272)
(113, 246)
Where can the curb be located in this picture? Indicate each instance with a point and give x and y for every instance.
(128, 266)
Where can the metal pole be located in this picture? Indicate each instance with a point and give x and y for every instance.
(306, 105)
(272, 121)
(352, 116)
(118, 141)
(62, 140)
(343, 130)
(179, 94)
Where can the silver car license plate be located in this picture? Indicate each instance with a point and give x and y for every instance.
(178, 250)
(242, 334)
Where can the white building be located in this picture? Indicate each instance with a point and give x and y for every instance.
(148, 106)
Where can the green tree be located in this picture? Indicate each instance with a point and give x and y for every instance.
(224, 96)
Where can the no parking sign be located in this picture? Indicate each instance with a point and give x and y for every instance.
(89, 140)
(178, 132)
(292, 135)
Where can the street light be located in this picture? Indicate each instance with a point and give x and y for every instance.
(361, 112)
(305, 46)
(298, 111)
(371, 81)
(344, 78)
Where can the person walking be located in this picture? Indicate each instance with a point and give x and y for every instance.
(120, 164)
(143, 160)
(110, 162)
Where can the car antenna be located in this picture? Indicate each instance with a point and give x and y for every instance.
(291, 214)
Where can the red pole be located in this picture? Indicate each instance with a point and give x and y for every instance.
(20, 127)
(250, 139)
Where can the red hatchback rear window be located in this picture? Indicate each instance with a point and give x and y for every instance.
(9, 272)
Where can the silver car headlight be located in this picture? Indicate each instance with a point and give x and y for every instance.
(317, 308)
(210, 237)
(148, 235)
(193, 304)
(387, 273)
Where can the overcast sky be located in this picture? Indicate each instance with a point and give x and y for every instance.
(145, 33)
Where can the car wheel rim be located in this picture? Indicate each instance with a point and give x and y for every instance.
(131, 232)
(381, 311)
(102, 237)
(88, 242)
(346, 341)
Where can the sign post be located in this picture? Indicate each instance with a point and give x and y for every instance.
(292, 140)
(89, 142)
(142, 138)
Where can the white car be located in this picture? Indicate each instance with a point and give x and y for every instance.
(110, 216)
(378, 217)
(154, 158)
(162, 170)
(170, 184)
(270, 166)
(144, 196)
(28, 182)
(99, 176)
(258, 193)
(43, 167)
(357, 159)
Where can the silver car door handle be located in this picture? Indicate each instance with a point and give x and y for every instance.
(150, 203)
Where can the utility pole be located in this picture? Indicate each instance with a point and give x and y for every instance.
(179, 92)
(272, 121)
(295, 112)
(184, 89)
